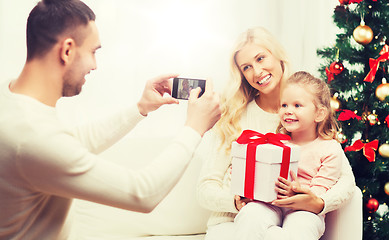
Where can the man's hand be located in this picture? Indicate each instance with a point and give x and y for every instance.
(152, 97)
(241, 202)
(205, 111)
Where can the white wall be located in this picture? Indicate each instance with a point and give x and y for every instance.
(143, 39)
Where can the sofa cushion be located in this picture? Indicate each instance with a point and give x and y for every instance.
(178, 214)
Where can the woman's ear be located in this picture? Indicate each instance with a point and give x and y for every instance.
(67, 52)
(321, 114)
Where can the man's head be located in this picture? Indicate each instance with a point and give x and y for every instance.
(64, 32)
(52, 19)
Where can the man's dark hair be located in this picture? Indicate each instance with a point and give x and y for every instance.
(51, 18)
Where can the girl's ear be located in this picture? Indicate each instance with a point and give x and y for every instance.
(321, 114)
(67, 50)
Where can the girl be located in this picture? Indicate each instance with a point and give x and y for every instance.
(306, 116)
(251, 100)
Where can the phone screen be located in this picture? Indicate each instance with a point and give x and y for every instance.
(183, 86)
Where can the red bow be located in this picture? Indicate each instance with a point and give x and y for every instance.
(387, 120)
(368, 148)
(253, 139)
(374, 65)
(250, 136)
(347, 115)
(330, 75)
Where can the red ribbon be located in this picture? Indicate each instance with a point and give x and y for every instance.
(374, 65)
(253, 139)
(387, 120)
(368, 148)
(330, 75)
(347, 115)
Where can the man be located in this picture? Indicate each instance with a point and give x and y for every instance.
(43, 164)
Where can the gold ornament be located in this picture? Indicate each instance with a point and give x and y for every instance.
(341, 137)
(384, 150)
(382, 91)
(334, 102)
(386, 188)
(372, 118)
(363, 34)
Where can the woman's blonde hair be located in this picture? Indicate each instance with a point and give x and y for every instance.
(327, 128)
(238, 92)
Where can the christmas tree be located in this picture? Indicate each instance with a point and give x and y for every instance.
(356, 69)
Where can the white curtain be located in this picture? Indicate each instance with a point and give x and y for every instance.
(143, 39)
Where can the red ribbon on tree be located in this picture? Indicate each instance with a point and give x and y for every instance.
(374, 65)
(253, 139)
(387, 120)
(330, 75)
(368, 148)
(347, 115)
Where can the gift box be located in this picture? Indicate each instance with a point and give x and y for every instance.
(257, 162)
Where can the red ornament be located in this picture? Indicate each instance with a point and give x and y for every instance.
(355, 1)
(387, 122)
(336, 68)
(372, 205)
(344, 2)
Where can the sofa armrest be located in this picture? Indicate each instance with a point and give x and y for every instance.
(346, 222)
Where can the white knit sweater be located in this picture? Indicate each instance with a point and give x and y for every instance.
(213, 190)
(43, 165)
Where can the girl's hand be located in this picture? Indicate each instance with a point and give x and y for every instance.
(284, 187)
(241, 202)
(303, 200)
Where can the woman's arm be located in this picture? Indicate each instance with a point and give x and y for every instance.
(213, 188)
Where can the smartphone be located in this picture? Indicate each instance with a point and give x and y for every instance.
(183, 86)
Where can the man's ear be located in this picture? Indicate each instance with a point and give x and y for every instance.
(67, 50)
(321, 114)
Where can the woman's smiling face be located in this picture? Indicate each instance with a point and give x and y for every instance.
(261, 69)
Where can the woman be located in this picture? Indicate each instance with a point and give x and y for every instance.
(251, 100)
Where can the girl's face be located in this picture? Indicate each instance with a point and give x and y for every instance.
(298, 113)
(261, 69)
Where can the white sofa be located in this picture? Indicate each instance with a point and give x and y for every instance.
(179, 216)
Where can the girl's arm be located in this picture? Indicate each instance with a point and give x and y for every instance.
(306, 200)
(330, 167)
(342, 191)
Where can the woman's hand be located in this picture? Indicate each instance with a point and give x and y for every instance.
(241, 202)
